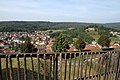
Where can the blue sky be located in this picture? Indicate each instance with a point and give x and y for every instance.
(96, 11)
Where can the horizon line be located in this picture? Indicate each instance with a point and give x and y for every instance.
(58, 21)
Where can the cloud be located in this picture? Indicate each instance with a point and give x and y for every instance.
(61, 10)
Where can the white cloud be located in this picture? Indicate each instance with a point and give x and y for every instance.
(61, 10)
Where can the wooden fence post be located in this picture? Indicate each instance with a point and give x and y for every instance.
(56, 67)
(117, 66)
(0, 70)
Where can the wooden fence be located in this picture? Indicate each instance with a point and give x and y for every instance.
(61, 66)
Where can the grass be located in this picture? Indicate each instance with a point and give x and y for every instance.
(57, 30)
(29, 68)
(115, 39)
(94, 34)
(74, 68)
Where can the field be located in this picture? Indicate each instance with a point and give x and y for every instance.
(94, 34)
(56, 30)
(28, 66)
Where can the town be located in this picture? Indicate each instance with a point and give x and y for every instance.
(59, 39)
(10, 42)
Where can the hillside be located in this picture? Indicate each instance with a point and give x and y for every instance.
(113, 25)
(29, 26)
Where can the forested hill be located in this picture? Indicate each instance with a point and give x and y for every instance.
(29, 26)
(113, 25)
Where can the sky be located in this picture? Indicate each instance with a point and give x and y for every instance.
(92, 11)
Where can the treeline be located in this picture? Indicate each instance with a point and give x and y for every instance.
(29, 26)
(20, 26)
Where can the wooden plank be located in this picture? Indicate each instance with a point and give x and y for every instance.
(18, 67)
(38, 60)
(25, 68)
(32, 74)
(78, 66)
(90, 65)
(11, 68)
(69, 76)
(7, 70)
(60, 66)
(65, 67)
(86, 63)
(74, 66)
(44, 66)
(81, 67)
(117, 66)
(1, 78)
(56, 66)
(50, 73)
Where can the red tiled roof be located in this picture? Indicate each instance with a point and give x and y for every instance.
(90, 47)
(114, 45)
(72, 49)
(50, 43)
(9, 51)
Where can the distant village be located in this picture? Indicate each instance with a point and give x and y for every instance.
(10, 39)
(42, 41)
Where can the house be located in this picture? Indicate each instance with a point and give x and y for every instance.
(42, 43)
(49, 47)
(114, 45)
(94, 42)
(41, 50)
(92, 47)
(2, 43)
(9, 51)
(72, 49)
(90, 29)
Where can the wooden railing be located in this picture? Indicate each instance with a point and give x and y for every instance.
(61, 66)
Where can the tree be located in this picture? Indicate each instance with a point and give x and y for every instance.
(61, 44)
(27, 47)
(80, 44)
(15, 46)
(104, 41)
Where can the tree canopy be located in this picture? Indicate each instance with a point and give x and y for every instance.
(61, 43)
(79, 44)
(104, 41)
(27, 47)
(75, 33)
